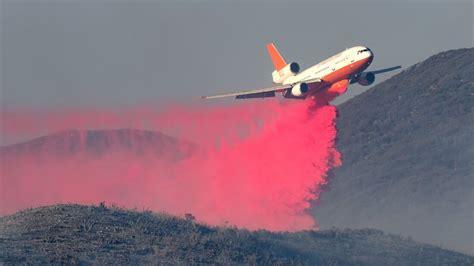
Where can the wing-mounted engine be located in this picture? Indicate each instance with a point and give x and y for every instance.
(279, 76)
(365, 78)
(298, 91)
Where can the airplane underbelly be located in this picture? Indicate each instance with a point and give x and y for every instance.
(317, 86)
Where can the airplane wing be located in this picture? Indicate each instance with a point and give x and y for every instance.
(261, 93)
(258, 93)
(376, 72)
(385, 70)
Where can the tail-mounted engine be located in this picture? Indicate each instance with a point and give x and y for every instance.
(279, 76)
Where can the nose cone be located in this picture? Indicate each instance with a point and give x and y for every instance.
(369, 51)
(370, 56)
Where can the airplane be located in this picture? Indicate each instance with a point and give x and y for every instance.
(332, 75)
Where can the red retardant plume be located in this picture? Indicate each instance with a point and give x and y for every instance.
(256, 165)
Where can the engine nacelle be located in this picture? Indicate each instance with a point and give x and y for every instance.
(299, 89)
(366, 78)
(286, 72)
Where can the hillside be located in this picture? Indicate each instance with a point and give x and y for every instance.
(86, 234)
(408, 149)
(99, 142)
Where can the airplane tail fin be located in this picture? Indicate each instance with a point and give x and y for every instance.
(276, 57)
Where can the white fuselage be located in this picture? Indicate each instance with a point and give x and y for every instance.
(342, 65)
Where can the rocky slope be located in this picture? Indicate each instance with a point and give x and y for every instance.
(408, 155)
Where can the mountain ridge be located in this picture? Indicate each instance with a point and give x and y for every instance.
(101, 141)
(407, 152)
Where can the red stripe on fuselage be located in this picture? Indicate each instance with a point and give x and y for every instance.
(347, 71)
(340, 74)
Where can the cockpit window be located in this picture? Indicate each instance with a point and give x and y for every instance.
(364, 50)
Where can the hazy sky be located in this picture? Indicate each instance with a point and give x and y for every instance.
(83, 53)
